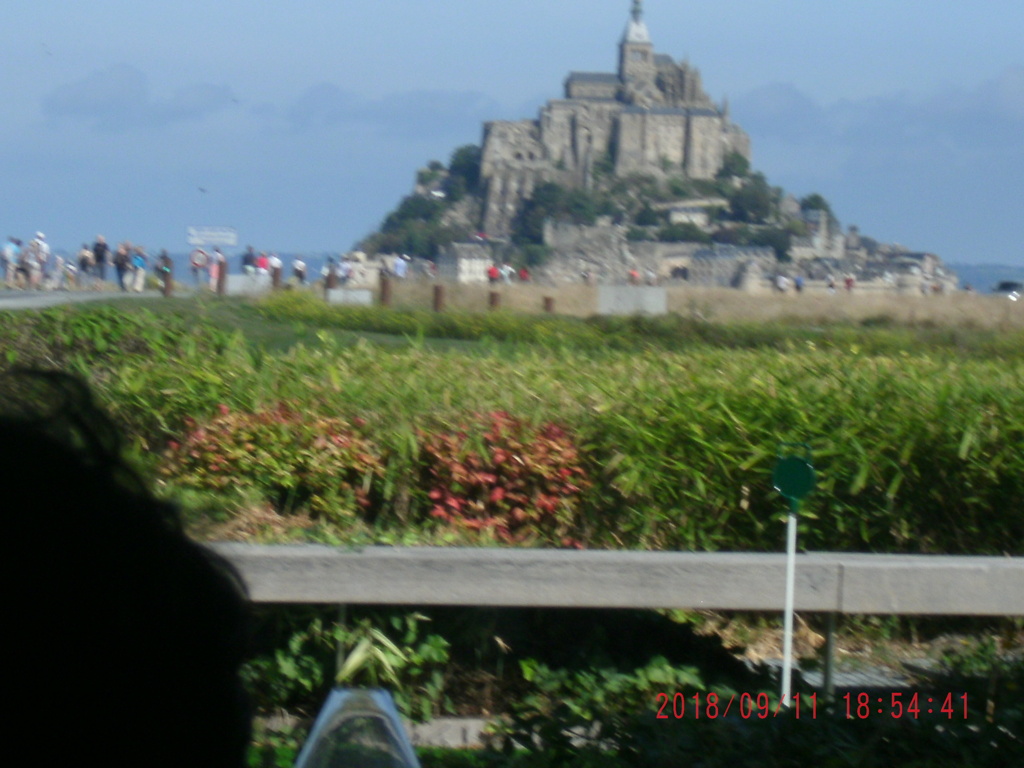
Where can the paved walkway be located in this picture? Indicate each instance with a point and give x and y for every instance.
(43, 299)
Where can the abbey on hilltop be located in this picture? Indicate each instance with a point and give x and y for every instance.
(652, 117)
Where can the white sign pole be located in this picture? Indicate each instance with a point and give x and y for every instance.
(794, 479)
(787, 632)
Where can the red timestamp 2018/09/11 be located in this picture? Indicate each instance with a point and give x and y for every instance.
(713, 705)
(900, 704)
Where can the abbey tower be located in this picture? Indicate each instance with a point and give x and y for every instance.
(652, 117)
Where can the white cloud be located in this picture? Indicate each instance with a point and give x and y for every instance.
(118, 98)
(420, 114)
(937, 171)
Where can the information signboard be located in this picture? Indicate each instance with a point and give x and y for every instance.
(198, 237)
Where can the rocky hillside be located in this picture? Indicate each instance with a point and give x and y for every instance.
(738, 208)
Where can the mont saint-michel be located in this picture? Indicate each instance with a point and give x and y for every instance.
(651, 117)
(634, 172)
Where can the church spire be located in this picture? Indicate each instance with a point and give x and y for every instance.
(636, 30)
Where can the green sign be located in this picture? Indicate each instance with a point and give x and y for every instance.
(793, 477)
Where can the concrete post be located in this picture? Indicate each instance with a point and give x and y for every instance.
(828, 683)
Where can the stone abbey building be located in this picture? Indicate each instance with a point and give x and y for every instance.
(651, 117)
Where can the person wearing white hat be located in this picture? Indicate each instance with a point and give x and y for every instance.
(39, 262)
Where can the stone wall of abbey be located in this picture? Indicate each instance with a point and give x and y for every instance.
(651, 117)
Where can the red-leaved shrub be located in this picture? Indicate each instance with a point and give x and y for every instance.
(517, 482)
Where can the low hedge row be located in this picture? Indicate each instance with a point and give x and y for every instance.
(675, 453)
(665, 332)
(663, 451)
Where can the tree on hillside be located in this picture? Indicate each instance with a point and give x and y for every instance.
(815, 202)
(463, 172)
(683, 233)
(647, 216)
(797, 227)
(413, 208)
(553, 201)
(754, 202)
(775, 238)
(734, 164)
(414, 228)
(529, 223)
(728, 236)
(680, 186)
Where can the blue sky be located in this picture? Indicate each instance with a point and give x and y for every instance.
(306, 121)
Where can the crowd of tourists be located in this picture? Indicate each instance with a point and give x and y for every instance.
(506, 273)
(207, 266)
(32, 265)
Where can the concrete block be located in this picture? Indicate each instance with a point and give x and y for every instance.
(631, 300)
(247, 285)
(361, 297)
(449, 732)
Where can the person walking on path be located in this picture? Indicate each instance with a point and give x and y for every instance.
(86, 264)
(39, 266)
(101, 257)
(218, 265)
(299, 270)
(199, 261)
(249, 262)
(139, 263)
(122, 263)
(12, 255)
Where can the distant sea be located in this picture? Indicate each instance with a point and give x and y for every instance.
(983, 277)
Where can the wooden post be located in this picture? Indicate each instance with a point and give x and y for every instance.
(438, 298)
(385, 290)
(275, 278)
(222, 276)
(549, 304)
(494, 300)
(330, 280)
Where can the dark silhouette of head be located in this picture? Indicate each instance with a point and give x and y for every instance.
(127, 636)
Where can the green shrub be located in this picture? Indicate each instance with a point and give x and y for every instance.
(294, 459)
(102, 334)
(307, 652)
